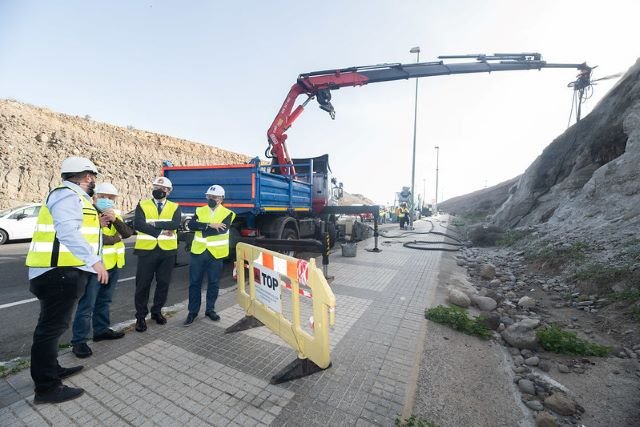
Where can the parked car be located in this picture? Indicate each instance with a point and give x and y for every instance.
(18, 223)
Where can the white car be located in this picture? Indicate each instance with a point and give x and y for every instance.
(18, 223)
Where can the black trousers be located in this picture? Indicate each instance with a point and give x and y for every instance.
(158, 264)
(58, 290)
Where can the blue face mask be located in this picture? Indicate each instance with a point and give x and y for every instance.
(104, 204)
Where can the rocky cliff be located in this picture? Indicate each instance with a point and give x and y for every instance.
(34, 141)
(587, 181)
(588, 177)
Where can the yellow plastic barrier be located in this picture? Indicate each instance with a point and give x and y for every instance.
(270, 272)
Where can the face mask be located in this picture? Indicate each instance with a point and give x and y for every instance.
(104, 204)
(212, 203)
(159, 194)
(90, 187)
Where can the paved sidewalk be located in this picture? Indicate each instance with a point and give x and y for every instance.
(172, 375)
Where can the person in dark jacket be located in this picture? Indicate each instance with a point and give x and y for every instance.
(156, 221)
(93, 307)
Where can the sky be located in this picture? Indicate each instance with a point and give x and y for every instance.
(216, 72)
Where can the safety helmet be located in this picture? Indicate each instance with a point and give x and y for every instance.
(106, 188)
(215, 190)
(161, 180)
(77, 165)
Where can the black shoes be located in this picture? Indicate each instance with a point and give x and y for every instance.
(141, 325)
(110, 334)
(212, 315)
(59, 394)
(159, 318)
(67, 372)
(82, 350)
(190, 318)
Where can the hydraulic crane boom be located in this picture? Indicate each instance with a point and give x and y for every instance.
(319, 84)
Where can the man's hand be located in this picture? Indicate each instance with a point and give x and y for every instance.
(218, 226)
(103, 275)
(110, 214)
(167, 233)
(104, 221)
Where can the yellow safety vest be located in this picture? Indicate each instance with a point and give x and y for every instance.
(147, 242)
(217, 245)
(47, 251)
(112, 255)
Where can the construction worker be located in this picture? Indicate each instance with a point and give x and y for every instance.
(210, 246)
(94, 304)
(402, 213)
(63, 255)
(156, 221)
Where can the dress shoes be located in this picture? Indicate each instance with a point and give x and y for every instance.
(109, 334)
(58, 394)
(212, 315)
(82, 350)
(159, 318)
(141, 325)
(191, 317)
(67, 372)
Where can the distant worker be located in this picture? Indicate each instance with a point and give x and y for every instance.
(403, 215)
(93, 307)
(64, 253)
(210, 246)
(157, 221)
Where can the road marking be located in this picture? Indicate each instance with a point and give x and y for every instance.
(126, 279)
(24, 301)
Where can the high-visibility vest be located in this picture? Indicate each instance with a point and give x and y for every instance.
(217, 245)
(400, 213)
(47, 251)
(112, 255)
(147, 242)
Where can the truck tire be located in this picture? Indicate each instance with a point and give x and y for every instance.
(289, 234)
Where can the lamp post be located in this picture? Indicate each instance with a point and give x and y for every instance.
(424, 192)
(415, 50)
(437, 159)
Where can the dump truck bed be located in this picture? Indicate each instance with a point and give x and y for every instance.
(250, 188)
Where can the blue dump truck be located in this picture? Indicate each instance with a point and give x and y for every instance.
(267, 204)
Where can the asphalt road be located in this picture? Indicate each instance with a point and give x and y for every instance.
(19, 309)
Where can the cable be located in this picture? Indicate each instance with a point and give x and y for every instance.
(416, 244)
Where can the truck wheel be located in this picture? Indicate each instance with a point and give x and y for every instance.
(289, 234)
(4, 237)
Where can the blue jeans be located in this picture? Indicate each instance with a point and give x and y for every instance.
(94, 305)
(198, 266)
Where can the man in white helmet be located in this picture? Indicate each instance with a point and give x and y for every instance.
(93, 307)
(64, 253)
(156, 221)
(210, 246)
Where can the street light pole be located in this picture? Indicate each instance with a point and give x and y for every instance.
(424, 192)
(437, 160)
(415, 50)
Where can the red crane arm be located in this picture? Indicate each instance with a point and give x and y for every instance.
(319, 84)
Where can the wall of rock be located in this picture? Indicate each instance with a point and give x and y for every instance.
(588, 177)
(34, 141)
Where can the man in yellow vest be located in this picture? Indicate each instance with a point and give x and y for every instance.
(156, 221)
(210, 246)
(94, 304)
(64, 253)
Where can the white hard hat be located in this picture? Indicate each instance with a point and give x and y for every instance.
(77, 164)
(161, 180)
(215, 190)
(106, 188)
